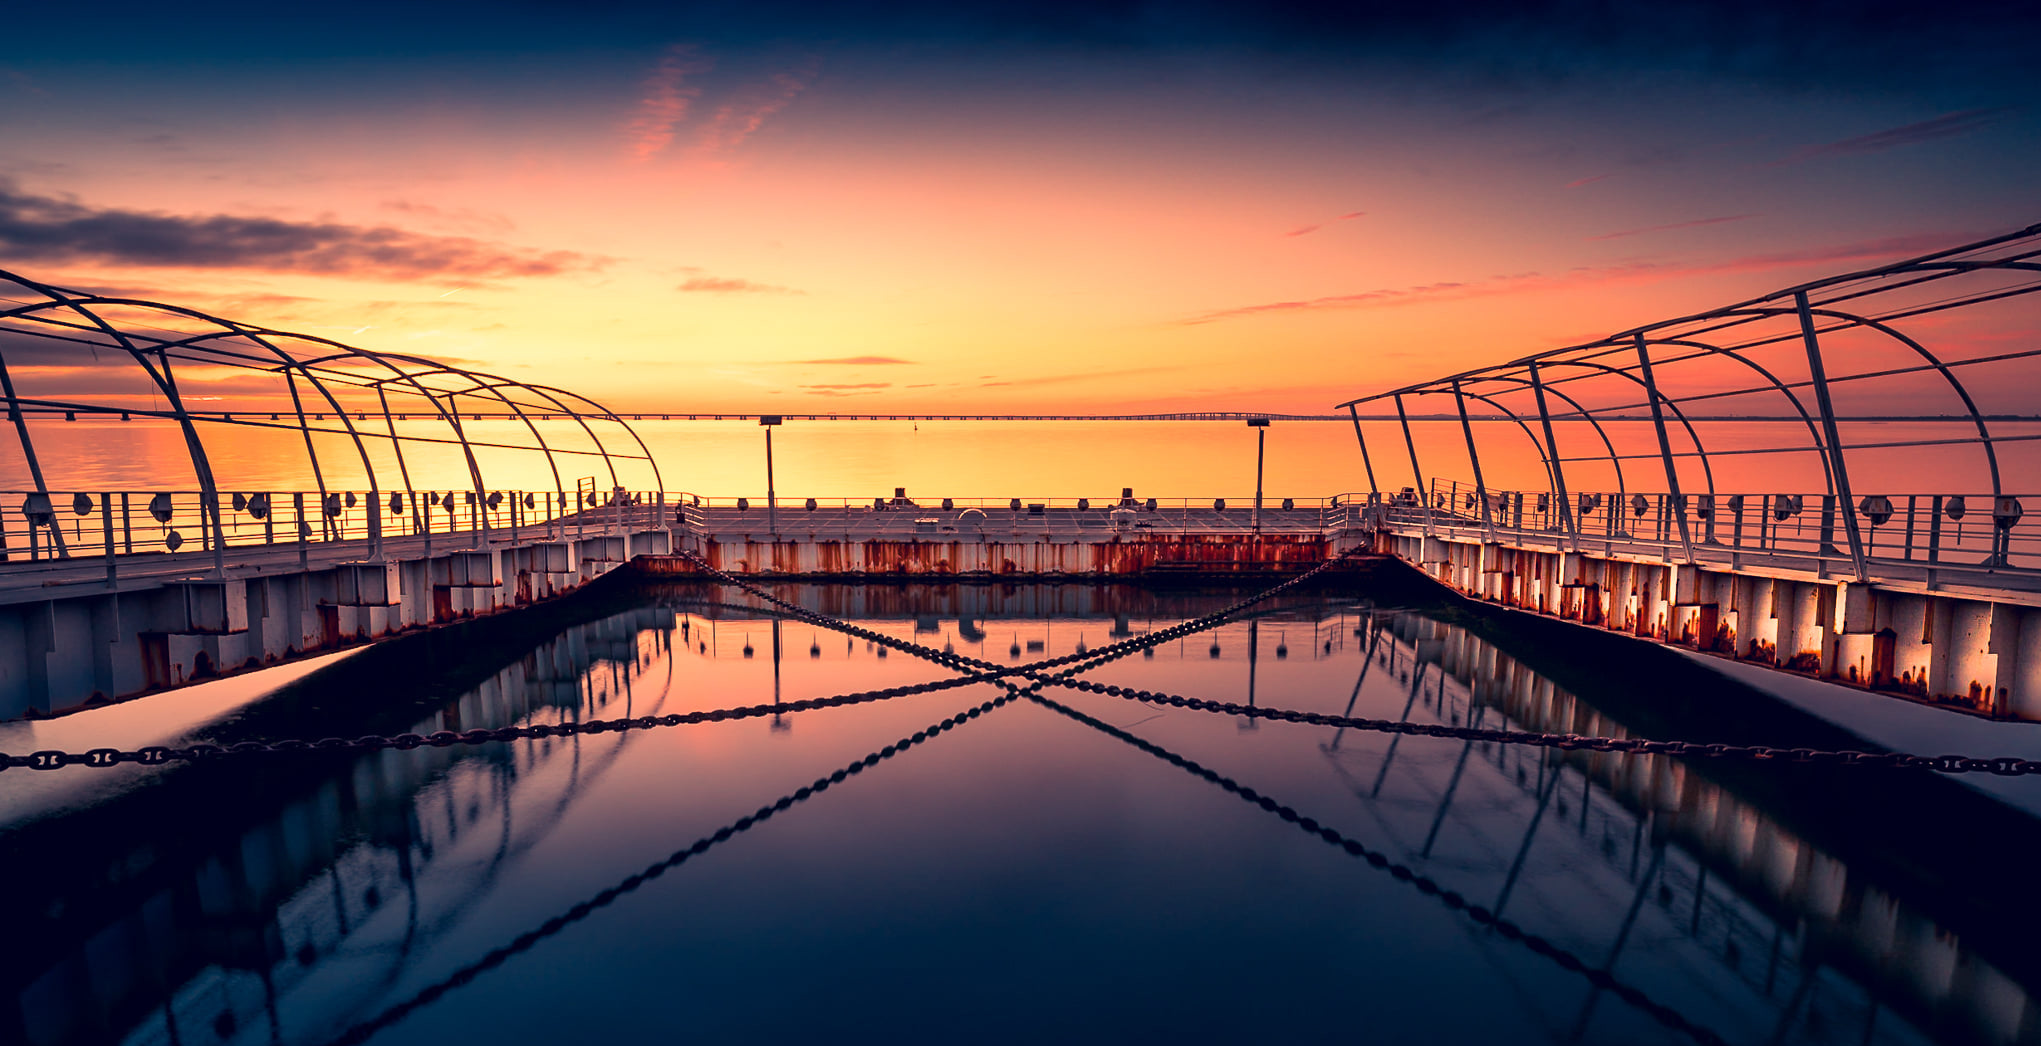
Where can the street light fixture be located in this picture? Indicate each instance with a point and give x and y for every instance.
(772, 519)
(1261, 436)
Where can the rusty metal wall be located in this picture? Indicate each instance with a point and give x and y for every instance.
(1128, 557)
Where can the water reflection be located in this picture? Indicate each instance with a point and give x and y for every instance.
(1036, 856)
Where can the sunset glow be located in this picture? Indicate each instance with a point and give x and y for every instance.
(699, 214)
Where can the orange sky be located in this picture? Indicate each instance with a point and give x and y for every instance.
(696, 224)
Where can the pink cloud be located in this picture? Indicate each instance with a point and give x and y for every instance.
(732, 285)
(1887, 249)
(1948, 125)
(1306, 230)
(1668, 228)
(737, 120)
(1590, 180)
(666, 101)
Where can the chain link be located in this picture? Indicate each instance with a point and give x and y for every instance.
(159, 755)
(524, 942)
(2003, 766)
(1599, 976)
(980, 670)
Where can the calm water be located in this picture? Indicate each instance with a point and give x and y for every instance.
(1025, 876)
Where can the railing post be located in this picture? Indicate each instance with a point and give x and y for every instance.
(1935, 531)
(127, 529)
(1736, 532)
(375, 527)
(1672, 475)
(106, 536)
(304, 529)
(1839, 473)
(1912, 505)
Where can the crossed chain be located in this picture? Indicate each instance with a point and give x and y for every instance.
(977, 670)
(1600, 977)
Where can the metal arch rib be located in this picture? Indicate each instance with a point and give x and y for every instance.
(1943, 262)
(233, 329)
(1700, 449)
(1948, 374)
(496, 382)
(201, 465)
(657, 480)
(1615, 459)
(1813, 433)
(1528, 434)
(494, 387)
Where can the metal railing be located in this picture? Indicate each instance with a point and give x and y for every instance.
(1917, 536)
(1126, 515)
(77, 527)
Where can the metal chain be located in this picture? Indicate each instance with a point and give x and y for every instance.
(157, 755)
(2002, 766)
(525, 941)
(1112, 651)
(988, 672)
(1599, 976)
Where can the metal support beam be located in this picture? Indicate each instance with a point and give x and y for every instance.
(1416, 473)
(35, 469)
(1566, 519)
(1672, 473)
(1374, 492)
(1838, 471)
(1474, 457)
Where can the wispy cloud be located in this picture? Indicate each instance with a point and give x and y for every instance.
(20, 80)
(54, 229)
(739, 119)
(857, 361)
(1306, 230)
(862, 388)
(460, 219)
(1060, 379)
(1696, 223)
(665, 101)
(1950, 125)
(728, 285)
(1861, 251)
(1589, 180)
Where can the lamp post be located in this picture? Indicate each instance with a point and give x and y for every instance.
(772, 517)
(1261, 436)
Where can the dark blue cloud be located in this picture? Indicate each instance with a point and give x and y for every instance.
(54, 229)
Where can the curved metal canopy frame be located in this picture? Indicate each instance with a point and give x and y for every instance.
(1700, 450)
(1878, 299)
(1615, 459)
(1536, 444)
(336, 372)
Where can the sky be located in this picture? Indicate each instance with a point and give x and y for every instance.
(1005, 207)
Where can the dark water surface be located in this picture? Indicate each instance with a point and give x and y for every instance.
(1030, 874)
